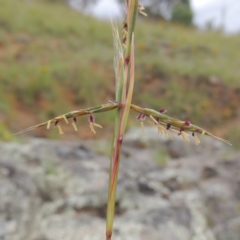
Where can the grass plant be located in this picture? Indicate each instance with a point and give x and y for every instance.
(44, 57)
(124, 66)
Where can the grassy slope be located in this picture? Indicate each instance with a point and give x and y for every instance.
(53, 59)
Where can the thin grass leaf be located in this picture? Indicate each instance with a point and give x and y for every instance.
(130, 89)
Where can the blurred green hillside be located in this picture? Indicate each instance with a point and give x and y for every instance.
(53, 60)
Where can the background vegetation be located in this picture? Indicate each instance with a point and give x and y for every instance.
(54, 59)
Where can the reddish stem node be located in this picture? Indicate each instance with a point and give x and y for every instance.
(108, 235)
(127, 60)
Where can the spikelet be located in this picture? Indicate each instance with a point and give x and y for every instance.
(92, 123)
(196, 139)
(161, 129)
(185, 137)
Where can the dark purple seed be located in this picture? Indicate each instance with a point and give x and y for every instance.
(143, 117)
(91, 118)
(163, 110)
(139, 116)
(180, 131)
(187, 123)
(168, 126)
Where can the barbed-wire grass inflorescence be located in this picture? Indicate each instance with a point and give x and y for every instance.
(124, 67)
(164, 123)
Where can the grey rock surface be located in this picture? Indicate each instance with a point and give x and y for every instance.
(53, 190)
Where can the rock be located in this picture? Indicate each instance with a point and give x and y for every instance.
(58, 190)
(7, 228)
(150, 136)
(209, 172)
(230, 231)
(80, 152)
